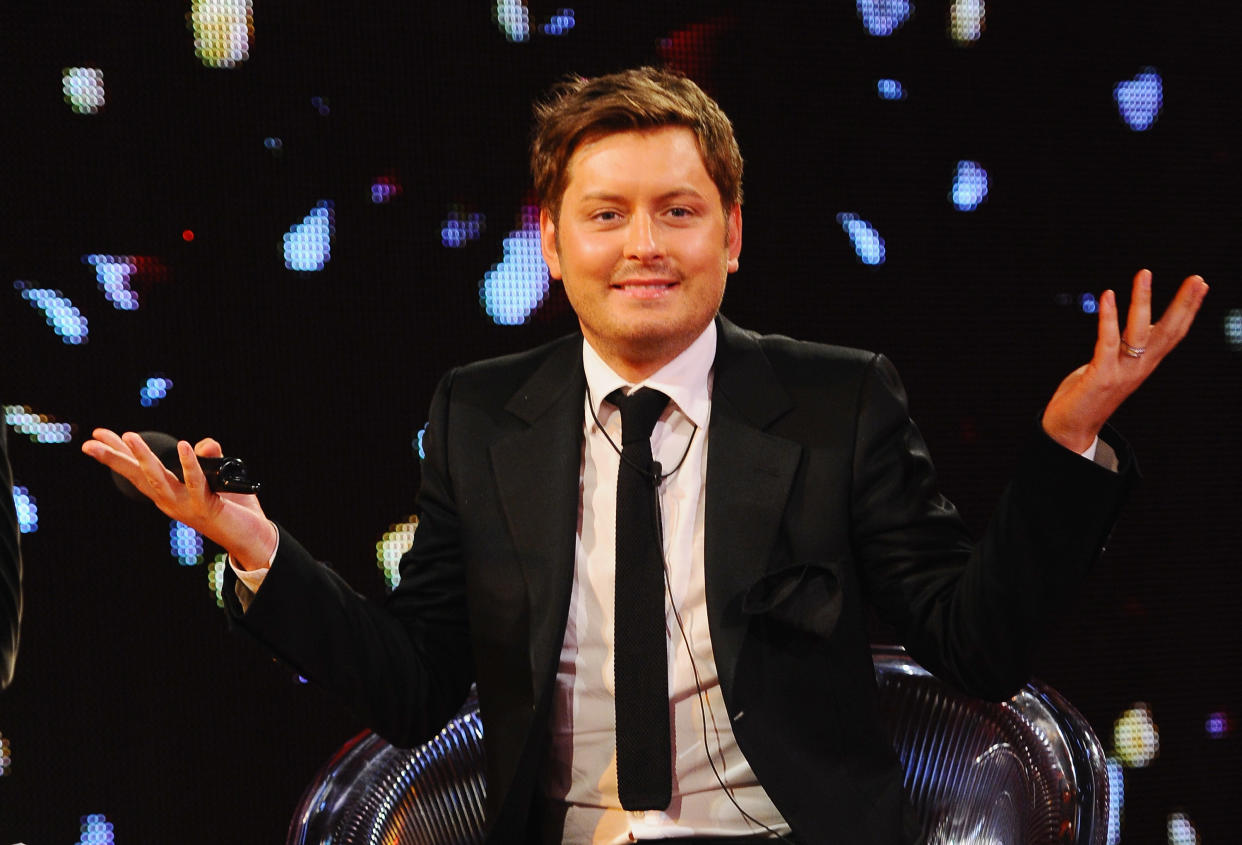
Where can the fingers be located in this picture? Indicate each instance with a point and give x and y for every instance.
(191, 471)
(1138, 318)
(1108, 336)
(1178, 317)
(208, 448)
(1153, 341)
(158, 478)
(108, 448)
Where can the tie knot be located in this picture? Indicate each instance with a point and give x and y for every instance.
(639, 412)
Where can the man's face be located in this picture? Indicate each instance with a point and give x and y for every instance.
(643, 245)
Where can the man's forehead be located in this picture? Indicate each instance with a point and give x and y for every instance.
(667, 136)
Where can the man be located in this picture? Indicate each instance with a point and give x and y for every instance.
(10, 570)
(792, 487)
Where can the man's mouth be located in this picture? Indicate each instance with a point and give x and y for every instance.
(644, 289)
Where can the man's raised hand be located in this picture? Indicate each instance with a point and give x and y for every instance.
(234, 521)
(1122, 360)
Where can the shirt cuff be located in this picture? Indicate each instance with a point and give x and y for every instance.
(1089, 453)
(253, 578)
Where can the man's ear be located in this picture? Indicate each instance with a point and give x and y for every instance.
(733, 236)
(547, 243)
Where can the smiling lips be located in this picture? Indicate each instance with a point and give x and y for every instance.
(645, 288)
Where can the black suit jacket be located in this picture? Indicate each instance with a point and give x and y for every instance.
(821, 497)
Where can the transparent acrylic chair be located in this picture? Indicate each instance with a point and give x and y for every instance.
(1028, 770)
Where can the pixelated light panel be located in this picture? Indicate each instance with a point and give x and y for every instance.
(1140, 99)
(185, 543)
(970, 186)
(392, 545)
(513, 18)
(1136, 738)
(515, 287)
(223, 31)
(868, 245)
(61, 315)
(40, 428)
(882, 18)
(96, 830)
(83, 88)
(27, 510)
(967, 20)
(308, 245)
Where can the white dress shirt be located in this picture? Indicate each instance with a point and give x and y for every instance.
(582, 771)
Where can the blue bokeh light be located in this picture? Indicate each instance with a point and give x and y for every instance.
(890, 89)
(884, 17)
(185, 543)
(1139, 100)
(460, 227)
(385, 189)
(66, 320)
(1088, 303)
(27, 510)
(515, 288)
(1233, 329)
(866, 240)
(96, 830)
(559, 24)
(1116, 800)
(970, 186)
(112, 274)
(155, 389)
(418, 442)
(308, 245)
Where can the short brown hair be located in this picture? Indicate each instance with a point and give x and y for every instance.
(641, 98)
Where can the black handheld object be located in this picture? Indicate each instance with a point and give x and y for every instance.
(224, 475)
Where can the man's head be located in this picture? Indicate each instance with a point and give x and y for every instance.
(640, 212)
(580, 110)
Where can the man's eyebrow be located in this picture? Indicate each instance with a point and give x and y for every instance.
(610, 196)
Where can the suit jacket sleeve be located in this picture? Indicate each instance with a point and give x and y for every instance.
(404, 665)
(10, 571)
(973, 612)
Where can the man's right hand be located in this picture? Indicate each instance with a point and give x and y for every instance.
(235, 521)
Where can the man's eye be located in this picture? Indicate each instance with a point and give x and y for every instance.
(680, 212)
(606, 216)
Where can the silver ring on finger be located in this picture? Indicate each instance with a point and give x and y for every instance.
(1132, 351)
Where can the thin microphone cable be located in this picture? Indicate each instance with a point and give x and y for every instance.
(656, 478)
(698, 686)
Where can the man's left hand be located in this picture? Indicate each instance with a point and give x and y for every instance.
(1121, 362)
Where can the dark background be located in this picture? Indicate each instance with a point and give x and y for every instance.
(132, 699)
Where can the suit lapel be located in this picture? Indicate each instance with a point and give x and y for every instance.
(537, 471)
(749, 476)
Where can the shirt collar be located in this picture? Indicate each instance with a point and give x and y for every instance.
(686, 380)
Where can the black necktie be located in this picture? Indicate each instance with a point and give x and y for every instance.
(640, 668)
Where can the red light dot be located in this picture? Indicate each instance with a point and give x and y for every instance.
(187, 235)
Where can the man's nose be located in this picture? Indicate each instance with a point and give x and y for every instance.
(642, 238)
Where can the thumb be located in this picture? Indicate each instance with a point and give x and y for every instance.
(208, 447)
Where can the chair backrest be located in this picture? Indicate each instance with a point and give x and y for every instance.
(1027, 770)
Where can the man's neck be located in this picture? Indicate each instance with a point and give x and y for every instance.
(636, 369)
